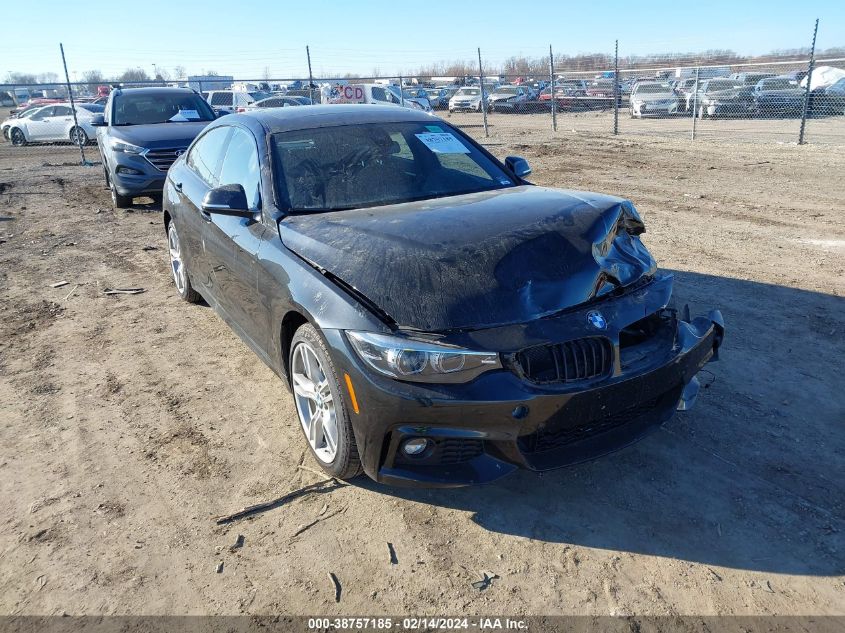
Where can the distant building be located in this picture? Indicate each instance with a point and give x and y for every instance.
(204, 83)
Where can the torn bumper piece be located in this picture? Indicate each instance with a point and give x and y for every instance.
(480, 432)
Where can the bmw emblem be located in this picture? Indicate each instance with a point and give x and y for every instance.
(597, 320)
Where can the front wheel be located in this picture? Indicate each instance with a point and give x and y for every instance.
(119, 201)
(177, 267)
(320, 405)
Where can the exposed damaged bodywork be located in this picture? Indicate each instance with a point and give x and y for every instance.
(479, 260)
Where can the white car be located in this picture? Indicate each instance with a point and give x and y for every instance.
(54, 123)
(466, 99)
(508, 98)
(653, 99)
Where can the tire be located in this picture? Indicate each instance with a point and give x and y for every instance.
(16, 136)
(119, 201)
(78, 136)
(338, 456)
(181, 278)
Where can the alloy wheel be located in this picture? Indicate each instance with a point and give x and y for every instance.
(176, 265)
(314, 402)
(78, 136)
(17, 137)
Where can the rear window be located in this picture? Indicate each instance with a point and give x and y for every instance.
(221, 98)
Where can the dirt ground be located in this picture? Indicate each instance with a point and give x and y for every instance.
(128, 422)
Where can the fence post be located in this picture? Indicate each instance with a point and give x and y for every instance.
(73, 108)
(806, 107)
(481, 86)
(552, 88)
(694, 102)
(401, 91)
(616, 88)
(310, 76)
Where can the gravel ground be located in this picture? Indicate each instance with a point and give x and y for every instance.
(130, 422)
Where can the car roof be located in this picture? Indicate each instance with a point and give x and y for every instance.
(153, 90)
(274, 120)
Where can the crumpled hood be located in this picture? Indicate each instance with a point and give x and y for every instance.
(478, 260)
(159, 135)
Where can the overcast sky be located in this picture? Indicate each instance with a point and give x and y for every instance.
(243, 38)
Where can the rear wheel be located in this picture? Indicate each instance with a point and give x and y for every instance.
(17, 137)
(320, 405)
(78, 136)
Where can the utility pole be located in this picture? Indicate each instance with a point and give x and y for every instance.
(483, 100)
(552, 88)
(806, 107)
(310, 76)
(73, 108)
(616, 88)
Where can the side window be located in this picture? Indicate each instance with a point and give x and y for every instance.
(379, 94)
(62, 111)
(205, 156)
(221, 99)
(240, 166)
(43, 113)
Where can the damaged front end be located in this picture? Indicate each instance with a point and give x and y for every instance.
(570, 388)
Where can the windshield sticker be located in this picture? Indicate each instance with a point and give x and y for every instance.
(504, 181)
(433, 128)
(443, 143)
(185, 115)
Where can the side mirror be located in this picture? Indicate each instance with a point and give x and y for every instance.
(227, 200)
(98, 120)
(518, 166)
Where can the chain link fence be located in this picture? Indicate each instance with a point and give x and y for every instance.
(793, 101)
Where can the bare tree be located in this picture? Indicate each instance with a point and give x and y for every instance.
(179, 72)
(134, 75)
(93, 78)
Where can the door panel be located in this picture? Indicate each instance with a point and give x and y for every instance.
(195, 177)
(232, 243)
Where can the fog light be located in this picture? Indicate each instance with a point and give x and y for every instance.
(414, 446)
(128, 171)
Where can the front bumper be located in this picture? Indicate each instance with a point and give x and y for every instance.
(485, 429)
(150, 180)
(651, 109)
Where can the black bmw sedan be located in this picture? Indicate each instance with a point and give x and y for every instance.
(439, 319)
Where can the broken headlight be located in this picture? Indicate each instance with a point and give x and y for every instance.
(420, 361)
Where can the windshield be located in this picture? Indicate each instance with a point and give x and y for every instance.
(161, 107)
(652, 89)
(468, 92)
(354, 166)
(507, 90)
